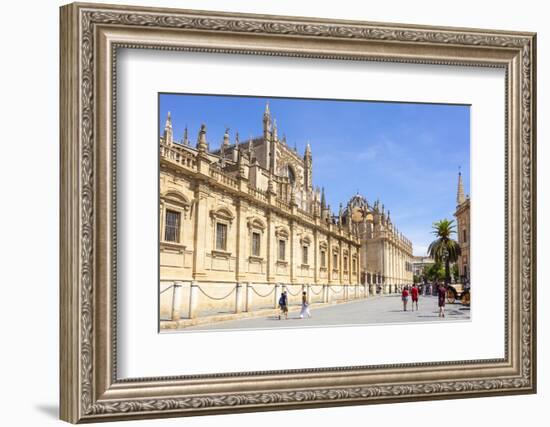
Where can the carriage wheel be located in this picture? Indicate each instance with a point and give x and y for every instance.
(451, 297)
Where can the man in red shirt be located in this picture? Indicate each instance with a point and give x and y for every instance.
(414, 297)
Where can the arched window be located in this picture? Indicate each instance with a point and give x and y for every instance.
(291, 175)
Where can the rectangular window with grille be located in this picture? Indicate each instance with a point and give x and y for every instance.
(304, 255)
(255, 244)
(221, 236)
(172, 226)
(323, 259)
(282, 249)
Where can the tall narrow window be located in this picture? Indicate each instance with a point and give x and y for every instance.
(255, 244)
(464, 235)
(335, 261)
(172, 227)
(221, 236)
(282, 249)
(304, 254)
(354, 265)
(346, 264)
(323, 259)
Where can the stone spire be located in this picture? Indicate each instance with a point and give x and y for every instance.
(185, 139)
(275, 134)
(323, 199)
(267, 122)
(237, 139)
(202, 145)
(460, 198)
(307, 153)
(168, 132)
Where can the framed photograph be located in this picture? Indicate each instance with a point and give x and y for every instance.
(267, 213)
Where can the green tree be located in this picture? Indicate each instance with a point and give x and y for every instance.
(444, 249)
(455, 272)
(434, 272)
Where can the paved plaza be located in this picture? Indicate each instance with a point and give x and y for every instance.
(374, 310)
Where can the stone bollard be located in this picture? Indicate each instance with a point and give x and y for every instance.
(249, 297)
(277, 295)
(238, 298)
(176, 301)
(193, 299)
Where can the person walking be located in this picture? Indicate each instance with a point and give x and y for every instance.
(283, 305)
(405, 297)
(441, 296)
(305, 306)
(414, 296)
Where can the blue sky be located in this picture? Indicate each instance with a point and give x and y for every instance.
(405, 154)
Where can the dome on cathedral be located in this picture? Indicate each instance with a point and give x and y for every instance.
(358, 201)
(358, 207)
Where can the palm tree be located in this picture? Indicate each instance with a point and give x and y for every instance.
(444, 249)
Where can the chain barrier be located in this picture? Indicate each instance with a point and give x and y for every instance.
(296, 294)
(260, 295)
(217, 298)
(316, 293)
(341, 290)
(167, 289)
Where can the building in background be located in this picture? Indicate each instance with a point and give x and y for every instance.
(421, 262)
(462, 215)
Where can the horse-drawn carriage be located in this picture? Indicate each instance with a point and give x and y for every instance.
(458, 291)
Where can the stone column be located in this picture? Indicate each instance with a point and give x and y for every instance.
(161, 220)
(350, 264)
(340, 263)
(176, 301)
(325, 293)
(202, 229)
(315, 256)
(241, 241)
(329, 260)
(193, 299)
(292, 262)
(272, 248)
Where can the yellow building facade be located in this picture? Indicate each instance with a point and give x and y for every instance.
(462, 215)
(242, 223)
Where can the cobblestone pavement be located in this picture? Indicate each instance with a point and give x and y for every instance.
(374, 310)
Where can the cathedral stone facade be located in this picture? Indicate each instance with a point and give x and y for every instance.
(243, 222)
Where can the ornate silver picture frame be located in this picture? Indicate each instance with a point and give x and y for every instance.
(91, 36)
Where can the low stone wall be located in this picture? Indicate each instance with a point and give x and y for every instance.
(188, 300)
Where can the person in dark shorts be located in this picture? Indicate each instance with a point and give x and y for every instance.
(283, 305)
(441, 296)
(414, 296)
